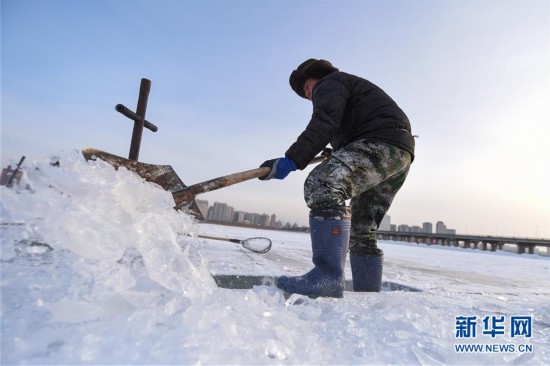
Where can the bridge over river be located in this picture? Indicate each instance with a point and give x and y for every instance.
(492, 243)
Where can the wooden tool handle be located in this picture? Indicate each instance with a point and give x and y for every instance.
(228, 180)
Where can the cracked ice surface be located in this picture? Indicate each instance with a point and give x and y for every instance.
(97, 268)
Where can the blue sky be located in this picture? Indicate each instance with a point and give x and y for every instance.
(472, 76)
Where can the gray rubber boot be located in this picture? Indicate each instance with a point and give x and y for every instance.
(367, 272)
(329, 243)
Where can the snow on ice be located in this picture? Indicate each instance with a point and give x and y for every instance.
(97, 268)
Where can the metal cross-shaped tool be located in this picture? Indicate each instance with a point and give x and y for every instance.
(139, 118)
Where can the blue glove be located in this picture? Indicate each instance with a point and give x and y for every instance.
(280, 168)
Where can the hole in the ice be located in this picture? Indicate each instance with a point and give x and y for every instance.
(248, 281)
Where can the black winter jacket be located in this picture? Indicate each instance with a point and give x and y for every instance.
(347, 108)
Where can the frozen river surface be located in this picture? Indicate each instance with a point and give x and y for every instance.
(97, 268)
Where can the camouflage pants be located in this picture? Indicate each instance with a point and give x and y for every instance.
(370, 173)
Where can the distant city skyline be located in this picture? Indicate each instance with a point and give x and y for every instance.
(222, 212)
(427, 227)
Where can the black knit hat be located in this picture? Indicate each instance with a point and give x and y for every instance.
(312, 68)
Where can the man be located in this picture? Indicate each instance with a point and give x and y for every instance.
(372, 150)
